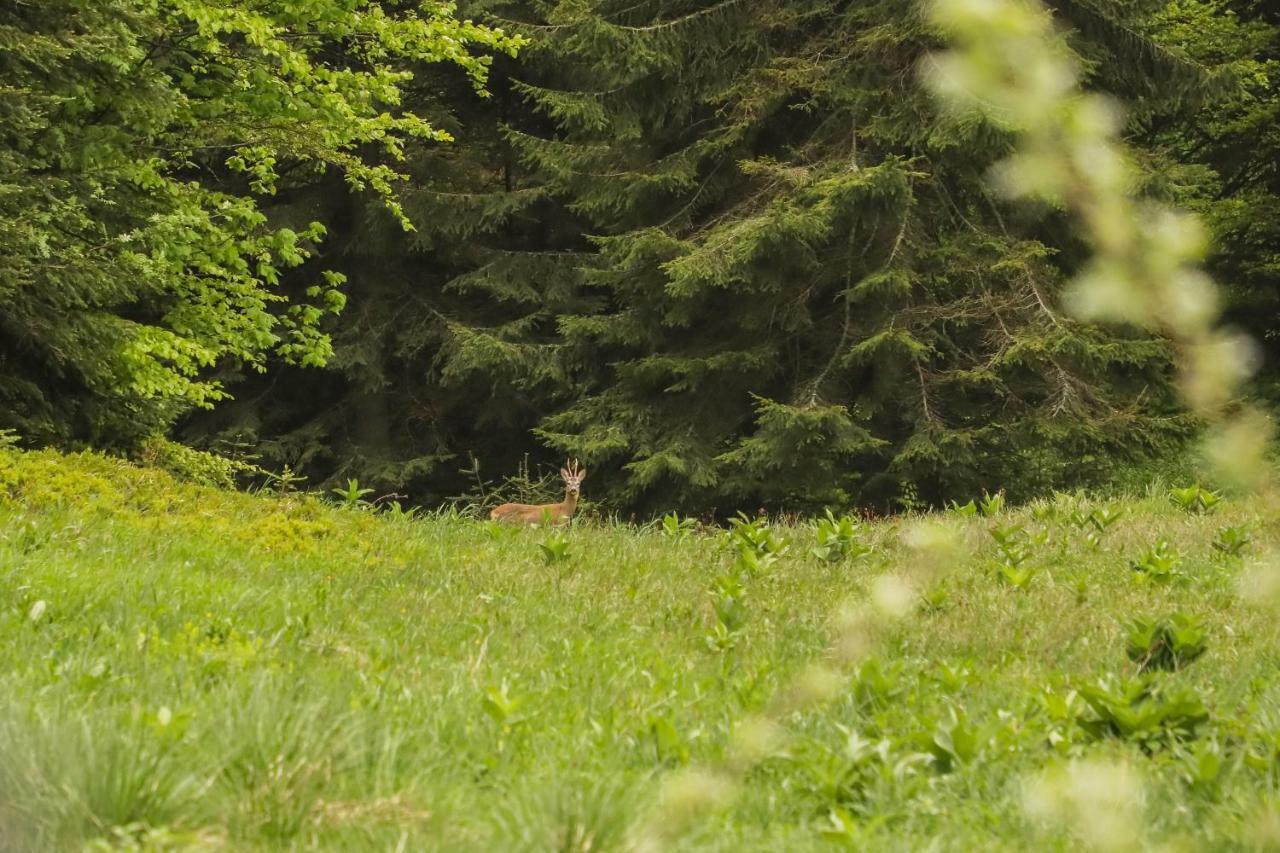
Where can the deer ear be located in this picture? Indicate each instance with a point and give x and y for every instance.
(582, 474)
(564, 473)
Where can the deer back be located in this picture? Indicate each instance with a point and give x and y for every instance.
(529, 513)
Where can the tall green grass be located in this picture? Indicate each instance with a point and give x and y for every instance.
(186, 668)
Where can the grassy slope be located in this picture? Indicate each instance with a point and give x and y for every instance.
(221, 670)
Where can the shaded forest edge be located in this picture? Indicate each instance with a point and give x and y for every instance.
(730, 255)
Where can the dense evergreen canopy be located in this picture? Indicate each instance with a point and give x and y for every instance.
(728, 253)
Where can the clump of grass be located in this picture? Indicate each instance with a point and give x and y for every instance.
(836, 539)
(1169, 643)
(1195, 499)
(1159, 563)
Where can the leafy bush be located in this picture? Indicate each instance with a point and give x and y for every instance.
(555, 547)
(1142, 710)
(1158, 563)
(1231, 541)
(728, 594)
(1169, 643)
(196, 466)
(837, 539)
(992, 505)
(756, 543)
(677, 528)
(952, 741)
(1015, 549)
(352, 495)
(1195, 499)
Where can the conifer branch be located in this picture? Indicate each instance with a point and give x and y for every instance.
(816, 382)
(924, 395)
(684, 19)
(648, 28)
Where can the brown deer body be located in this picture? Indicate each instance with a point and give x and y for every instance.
(559, 513)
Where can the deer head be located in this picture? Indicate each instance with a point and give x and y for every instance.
(573, 477)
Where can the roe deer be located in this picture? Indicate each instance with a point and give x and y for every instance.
(542, 513)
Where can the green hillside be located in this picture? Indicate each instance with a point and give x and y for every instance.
(186, 668)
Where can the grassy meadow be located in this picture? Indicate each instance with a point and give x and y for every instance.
(183, 668)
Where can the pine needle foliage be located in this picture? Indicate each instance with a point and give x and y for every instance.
(732, 255)
(810, 292)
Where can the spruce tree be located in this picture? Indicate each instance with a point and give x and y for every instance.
(1224, 159)
(807, 290)
(730, 254)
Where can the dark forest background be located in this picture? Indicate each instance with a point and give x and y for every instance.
(727, 253)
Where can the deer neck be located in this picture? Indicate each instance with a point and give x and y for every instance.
(570, 502)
